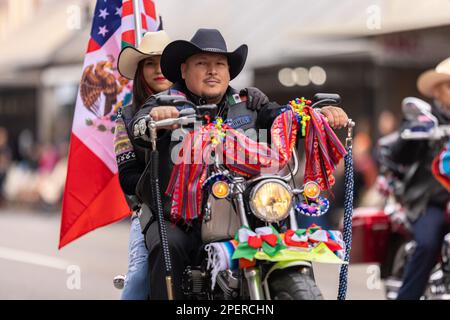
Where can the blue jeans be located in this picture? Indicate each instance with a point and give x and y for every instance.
(429, 231)
(137, 283)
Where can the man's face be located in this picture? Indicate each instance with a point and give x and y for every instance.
(207, 75)
(442, 93)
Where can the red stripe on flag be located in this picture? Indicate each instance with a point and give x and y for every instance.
(129, 37)
(92, 45)
(92, 196)
(127, 8)
(144, 22)
(149, 8)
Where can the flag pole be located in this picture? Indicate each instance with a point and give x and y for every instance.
(154, 183)
(137, 22)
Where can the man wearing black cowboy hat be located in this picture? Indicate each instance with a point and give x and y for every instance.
(201, 70)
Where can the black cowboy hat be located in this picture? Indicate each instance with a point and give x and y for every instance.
(204, 40)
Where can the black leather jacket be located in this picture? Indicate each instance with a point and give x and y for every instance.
(420, 188)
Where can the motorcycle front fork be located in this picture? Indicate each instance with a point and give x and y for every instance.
(255, 288)
(253, 274)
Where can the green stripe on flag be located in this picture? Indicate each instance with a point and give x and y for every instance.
(126, 44)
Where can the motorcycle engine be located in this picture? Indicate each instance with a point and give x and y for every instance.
(195, 283)
(229, 284)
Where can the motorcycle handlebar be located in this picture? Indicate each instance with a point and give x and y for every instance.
(178, 101)
(187, 115)
(436, 133)
(172, 121)
(167, 100)
(323, 99)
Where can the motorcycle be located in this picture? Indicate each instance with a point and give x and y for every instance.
(385, 236)
(252, 246)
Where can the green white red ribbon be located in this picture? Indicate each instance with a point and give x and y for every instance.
(266, 239)
(269, 241)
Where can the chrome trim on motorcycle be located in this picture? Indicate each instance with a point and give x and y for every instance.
(392, 286)
(239, 200)
(290, 176)
(446, 254)
(293, 219)
(253, 277)
(444, 296)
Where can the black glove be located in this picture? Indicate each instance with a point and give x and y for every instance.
(255, 98)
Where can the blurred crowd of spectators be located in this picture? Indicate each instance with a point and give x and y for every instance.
(366, 190)
(35, 177)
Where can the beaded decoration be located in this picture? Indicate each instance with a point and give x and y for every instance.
(297, 105)
(218, 134)
(315, 207)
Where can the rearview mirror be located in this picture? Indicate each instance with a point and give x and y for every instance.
(415, 109)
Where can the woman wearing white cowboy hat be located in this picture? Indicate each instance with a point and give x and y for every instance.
(435, 84)
(142, 65)
(424, 198)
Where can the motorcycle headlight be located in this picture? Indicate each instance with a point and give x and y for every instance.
(271, 200)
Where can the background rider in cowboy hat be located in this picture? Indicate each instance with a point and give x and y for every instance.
(201, 70)
(424, 198)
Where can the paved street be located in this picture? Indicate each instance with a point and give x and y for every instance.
(31, 267)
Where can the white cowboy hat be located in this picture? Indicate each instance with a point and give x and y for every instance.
(429, 79)
(152, 44)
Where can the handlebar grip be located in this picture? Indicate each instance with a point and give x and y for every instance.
(167, 100)
(322, 99)
(207, 107)
(166, 122)
(187, 112)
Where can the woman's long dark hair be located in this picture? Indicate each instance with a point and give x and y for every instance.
(141, 90)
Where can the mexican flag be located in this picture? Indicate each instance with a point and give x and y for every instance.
(92, 196)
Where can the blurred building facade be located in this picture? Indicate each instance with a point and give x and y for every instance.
(371, 80)
(369, 51)
(43, 44)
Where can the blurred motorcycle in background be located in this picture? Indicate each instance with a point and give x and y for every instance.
(384, 236)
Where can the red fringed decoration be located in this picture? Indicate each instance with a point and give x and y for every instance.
(323, 150)
(249, 158)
